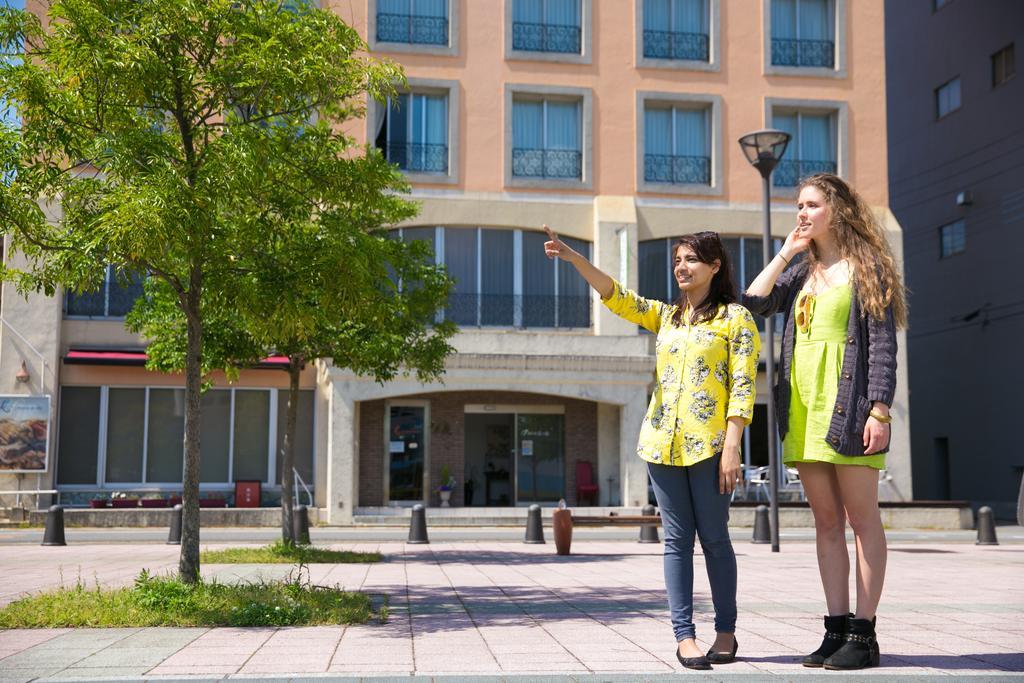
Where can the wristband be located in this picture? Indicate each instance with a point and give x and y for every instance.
(783, 258)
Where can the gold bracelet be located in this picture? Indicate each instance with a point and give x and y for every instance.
(884, 419)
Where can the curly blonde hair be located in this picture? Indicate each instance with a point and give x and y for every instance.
(860, 240)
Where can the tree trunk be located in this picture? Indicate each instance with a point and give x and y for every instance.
(188, 564)
(288, 451)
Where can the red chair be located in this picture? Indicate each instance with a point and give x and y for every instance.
(585, 485)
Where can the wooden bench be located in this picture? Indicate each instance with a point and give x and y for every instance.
(563, 523)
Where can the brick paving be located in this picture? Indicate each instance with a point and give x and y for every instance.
(505, 610)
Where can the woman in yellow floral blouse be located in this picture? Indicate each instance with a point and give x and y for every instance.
(707, 348)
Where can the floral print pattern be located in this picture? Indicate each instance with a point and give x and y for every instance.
(706, 374)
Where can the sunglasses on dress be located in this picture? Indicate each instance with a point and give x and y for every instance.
(804, 311)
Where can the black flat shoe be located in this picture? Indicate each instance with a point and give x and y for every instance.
(724, 657)
(700, 663)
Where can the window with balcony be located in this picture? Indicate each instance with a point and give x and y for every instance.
(547, 26)
(803, 33)
(414, 132)
(813, 145)
(503, 279)
(952, 239)
(676, 145)
(113, 299)
(546, 136)
(676, 30)
(413, 22)
(947, 98)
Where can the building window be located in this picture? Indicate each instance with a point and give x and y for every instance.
(813, 146)
(503, 279)
(114, 298)
(415, 22)
(803, 33)
(947, 98)
(414, 134)
(676, 145)
(116, 437)
(546, 26)
(676, 29)
(546, 135)
(655, 266)
(952, 239)
(1003, 65)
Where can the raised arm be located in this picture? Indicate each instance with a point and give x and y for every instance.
(767, 292)
(594, 276)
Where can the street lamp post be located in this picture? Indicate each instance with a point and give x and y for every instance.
(764, 149)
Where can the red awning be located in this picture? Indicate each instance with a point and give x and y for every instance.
(138, 358)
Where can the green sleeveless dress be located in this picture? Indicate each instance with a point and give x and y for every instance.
(816, 368)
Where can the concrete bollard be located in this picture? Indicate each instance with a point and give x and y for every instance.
(300, 525)
(418, 525)
(174, 536)
(54, 532)
(986, 527)
(534, 525)
(648, 532)
(762, 527)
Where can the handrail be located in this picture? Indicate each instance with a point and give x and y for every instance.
(300, 482)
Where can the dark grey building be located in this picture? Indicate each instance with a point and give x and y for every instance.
(956, 183)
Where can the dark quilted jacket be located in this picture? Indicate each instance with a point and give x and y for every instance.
(869, 363)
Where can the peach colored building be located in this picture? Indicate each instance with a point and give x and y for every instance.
(613, 121)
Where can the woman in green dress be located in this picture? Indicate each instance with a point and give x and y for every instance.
(843, 303)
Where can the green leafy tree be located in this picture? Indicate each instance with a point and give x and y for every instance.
(145, 125)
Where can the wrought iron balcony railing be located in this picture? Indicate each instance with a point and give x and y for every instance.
(111, 301)
(793, 52)
(419, 157)
(547, 163)
(790, 173)
(664, 168)
(509, 310)
(675, 45)
(412, 28)
(545, 37)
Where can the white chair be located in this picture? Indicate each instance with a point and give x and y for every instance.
(756, 479)
(791, 482)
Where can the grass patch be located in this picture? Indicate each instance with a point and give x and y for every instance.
(166, 601)
(281, 553)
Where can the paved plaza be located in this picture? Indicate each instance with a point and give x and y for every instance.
(503, 610)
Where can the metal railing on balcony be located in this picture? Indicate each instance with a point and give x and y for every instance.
(795, 52)
(412, 28)
(675, 45)
(509, 310)
(790, 173)
(113, 300)
(547, 163)
(545, 37)
(680, 170)
(423, 158)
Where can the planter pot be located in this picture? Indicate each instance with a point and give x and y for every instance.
(213, 503)
(174, 500)
(124, 502)
(561, 525)
(446, 498)
(153, 502)
(99, 504)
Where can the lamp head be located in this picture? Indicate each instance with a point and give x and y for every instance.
(764, 148)
(22, 375)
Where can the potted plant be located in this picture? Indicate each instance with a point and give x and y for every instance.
(446, 487)
(99, 502)
(120, 499)
(153, 501)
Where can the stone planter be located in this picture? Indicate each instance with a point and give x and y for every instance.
(446, 498)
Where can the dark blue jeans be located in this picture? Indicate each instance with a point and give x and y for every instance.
(690, 504)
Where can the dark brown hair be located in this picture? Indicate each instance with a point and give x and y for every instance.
(707, 247)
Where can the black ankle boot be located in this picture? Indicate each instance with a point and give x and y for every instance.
(860, 649)
(835, 636)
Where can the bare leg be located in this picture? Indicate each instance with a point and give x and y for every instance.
(859, 489)
(823, 493)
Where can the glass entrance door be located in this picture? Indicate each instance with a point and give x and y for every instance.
(540, 470)
(406, 451)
